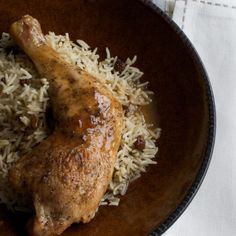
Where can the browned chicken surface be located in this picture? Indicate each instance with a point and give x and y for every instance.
(67, 174)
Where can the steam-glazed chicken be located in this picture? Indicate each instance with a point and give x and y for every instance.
(67, 174)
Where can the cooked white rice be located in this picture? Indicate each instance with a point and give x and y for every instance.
(24, 99)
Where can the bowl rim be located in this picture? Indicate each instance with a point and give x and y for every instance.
(170, 220)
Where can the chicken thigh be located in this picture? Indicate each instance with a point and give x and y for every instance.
(67, 174)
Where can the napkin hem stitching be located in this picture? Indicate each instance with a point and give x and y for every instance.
(215, 4)
(184, 13)
(205, 3)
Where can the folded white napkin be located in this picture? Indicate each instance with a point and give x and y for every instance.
(211, 27)
(166, 5)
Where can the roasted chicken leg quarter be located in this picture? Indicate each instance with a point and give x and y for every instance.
(67, 174)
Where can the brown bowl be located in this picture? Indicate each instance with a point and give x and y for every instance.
(184, 104)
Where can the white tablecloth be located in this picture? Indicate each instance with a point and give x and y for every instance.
(211, 27)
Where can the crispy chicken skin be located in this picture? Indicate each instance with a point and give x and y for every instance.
(67, 174)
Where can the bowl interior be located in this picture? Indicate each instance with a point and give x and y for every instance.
(129, 28)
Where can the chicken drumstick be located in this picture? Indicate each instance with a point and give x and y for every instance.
(67, 174)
